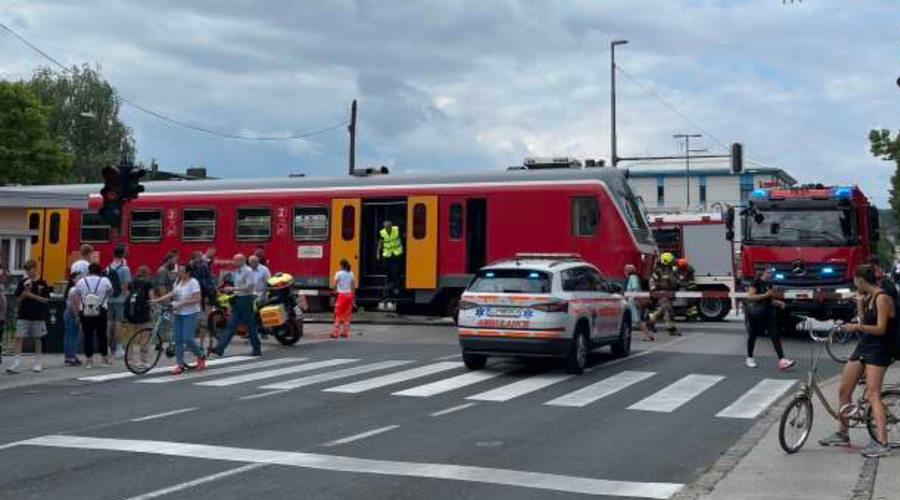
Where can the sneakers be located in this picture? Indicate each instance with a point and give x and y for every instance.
(785, 363)
(13, 368)
(876, 450)
(177, 370)
(37, 368)
(201, 364)
(836, 439)
(751, 363)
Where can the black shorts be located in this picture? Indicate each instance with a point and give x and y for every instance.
(872, 355)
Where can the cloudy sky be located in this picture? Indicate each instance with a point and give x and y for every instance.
(463, 85)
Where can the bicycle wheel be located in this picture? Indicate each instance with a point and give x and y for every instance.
(891, 400)
(841, 344)
(796, 422)
(142, 352)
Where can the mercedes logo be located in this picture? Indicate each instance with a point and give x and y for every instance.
(798, 268)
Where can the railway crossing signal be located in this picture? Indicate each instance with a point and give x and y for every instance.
(131, 181)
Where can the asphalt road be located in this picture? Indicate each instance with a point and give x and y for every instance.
(392, 414)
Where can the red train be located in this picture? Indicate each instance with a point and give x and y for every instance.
(451, 225)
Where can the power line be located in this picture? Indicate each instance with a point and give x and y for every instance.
(160, 116)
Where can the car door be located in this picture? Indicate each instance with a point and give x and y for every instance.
(583, 300)
(608, 304)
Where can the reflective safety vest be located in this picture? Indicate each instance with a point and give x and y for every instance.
(390, 243)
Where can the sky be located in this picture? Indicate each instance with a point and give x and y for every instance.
(468, 85)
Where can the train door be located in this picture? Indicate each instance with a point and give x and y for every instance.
(421, 242)
(372, 274)
(476, 234)
(49, 242)
(345, 237)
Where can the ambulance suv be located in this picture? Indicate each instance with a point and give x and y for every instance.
(542, 305)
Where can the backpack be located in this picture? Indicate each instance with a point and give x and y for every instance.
(137, 305)
(92, 303)
(113, 275)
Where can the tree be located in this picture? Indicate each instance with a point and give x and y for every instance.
(28, 154)
(84, 112)
(887, 148)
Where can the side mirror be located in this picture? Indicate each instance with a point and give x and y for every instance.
(616, 288)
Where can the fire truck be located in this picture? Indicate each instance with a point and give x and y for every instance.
(812, 237)
(701, 238)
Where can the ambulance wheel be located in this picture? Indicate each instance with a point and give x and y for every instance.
(577, 357)
(622, 347)
(474, 361)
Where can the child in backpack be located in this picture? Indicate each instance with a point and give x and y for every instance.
(33, 294)
(91, 300)
(343, 283)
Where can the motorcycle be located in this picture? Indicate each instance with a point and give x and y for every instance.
(280, 314)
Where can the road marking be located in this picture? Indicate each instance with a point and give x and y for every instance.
(601, 389)
(757, 399)
(250, 377)
(447, 358)
(362, 435)
(262, 395)
(163, 415)
(231, 369)
(450, 472)
(617, 361)
(325, 377)
(452, 410)
(394, 378)
(162, 369)
(520, 388)
(197, 482)
(450, 384)
(678, 393)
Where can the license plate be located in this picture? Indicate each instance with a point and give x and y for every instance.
(504, 312)
(798, 294)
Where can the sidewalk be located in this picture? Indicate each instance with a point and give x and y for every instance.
(814, 473)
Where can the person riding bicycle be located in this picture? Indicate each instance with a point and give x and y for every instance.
(185, 297)
(872, 356)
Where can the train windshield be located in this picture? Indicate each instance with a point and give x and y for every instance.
(801, 227)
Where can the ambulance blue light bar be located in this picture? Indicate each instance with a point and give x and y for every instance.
(841, 192)
(760, 193)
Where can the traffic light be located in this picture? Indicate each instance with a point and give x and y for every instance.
(737, 157)
(111, 211)
(130, 180)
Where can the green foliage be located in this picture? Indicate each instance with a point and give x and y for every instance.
(84, 113)
(28, 154)
(887, 148)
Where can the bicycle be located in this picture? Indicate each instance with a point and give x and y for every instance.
(841, 344)
(797, 419)
(149, 344)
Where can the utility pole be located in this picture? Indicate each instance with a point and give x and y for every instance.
(352, 129)
(687, 161)
(614, 158)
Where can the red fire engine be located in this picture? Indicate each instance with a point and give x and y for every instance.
(451, 225)
(813, 237)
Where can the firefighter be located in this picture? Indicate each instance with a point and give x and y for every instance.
(665, 279)
(686, 280)
(390, 250)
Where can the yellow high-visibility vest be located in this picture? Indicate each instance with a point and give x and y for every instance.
(390, 243)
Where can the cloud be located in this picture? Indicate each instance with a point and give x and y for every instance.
(472, 85)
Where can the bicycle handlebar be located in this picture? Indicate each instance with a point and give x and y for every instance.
(818, 330)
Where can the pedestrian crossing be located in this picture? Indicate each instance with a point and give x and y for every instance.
(643, 391)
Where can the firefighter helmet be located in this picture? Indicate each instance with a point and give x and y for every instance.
(667, 258)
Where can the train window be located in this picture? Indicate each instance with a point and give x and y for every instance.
(456, 221)
(93, 228)
(146, 225)
(198, 224)
(254, 224)
(34, 224)
(420, 221)
(55, 221)
(348, 223)
(310, 223)
(585, 216)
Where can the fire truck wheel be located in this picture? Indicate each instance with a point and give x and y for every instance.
(622, 347)
(713, 309)
(577, 357)
(474, 361)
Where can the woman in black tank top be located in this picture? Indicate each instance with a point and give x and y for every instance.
(872, 356)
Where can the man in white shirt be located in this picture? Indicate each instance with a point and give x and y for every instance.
(80, 266)
(261, 276)
(242, 312)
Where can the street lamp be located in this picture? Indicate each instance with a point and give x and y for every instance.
(687, 161)
(614, 158)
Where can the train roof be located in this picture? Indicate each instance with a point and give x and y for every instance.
(614, 179)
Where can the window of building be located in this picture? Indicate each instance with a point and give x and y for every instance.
(198, 224)
(348, 223)
(420, 221)
(93, 228)
(14, 252)
(585, 216)
(456, 221)
(660, 191)
(146, 225)
(55, 222)
(311, 223)
(702, 179)
(253, 224)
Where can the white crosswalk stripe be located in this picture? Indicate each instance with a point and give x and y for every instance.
(521, 387)
(677, 394)
(163, 369)
(450, 384)
(328, 376)
(209, 373)
(395, 378)
(251, 377)
(757, 399)
(601, 389)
